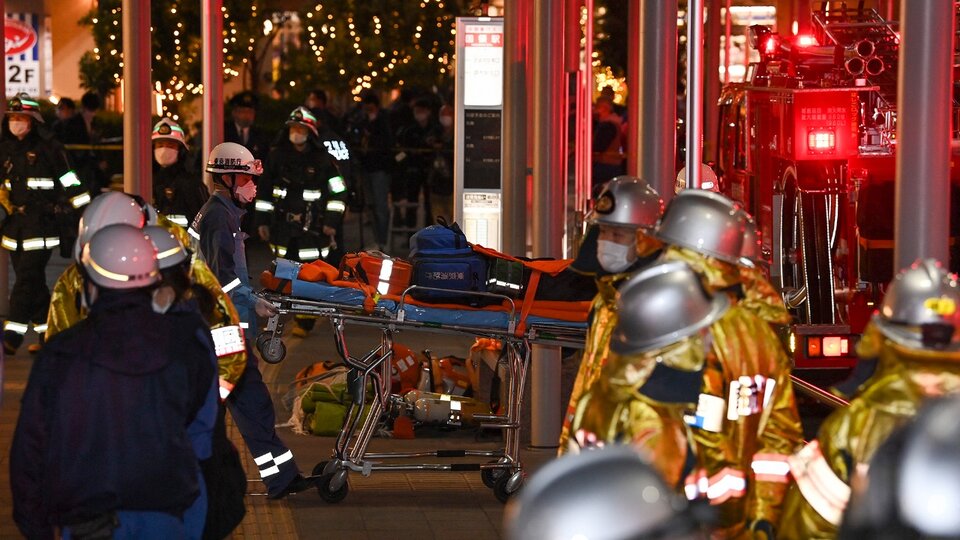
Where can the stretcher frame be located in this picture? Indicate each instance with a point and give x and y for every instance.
(503, 474)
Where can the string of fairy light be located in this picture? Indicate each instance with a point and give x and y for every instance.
(323, 29)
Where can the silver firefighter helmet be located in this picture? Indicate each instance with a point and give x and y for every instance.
(661, 305)
(921, 309)
(705, 222)
(627, 201)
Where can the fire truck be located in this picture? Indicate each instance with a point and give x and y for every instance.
(808, 146)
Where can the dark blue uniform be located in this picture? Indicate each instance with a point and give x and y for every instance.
(103, 423)
(221, 246)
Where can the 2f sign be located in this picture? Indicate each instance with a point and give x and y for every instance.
(17, 75)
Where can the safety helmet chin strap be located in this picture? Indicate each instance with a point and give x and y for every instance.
(220, 179)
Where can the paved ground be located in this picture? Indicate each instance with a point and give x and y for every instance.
(421, 505)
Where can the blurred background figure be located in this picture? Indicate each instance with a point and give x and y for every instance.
(417, 142)
(440, 180)
(608, 142)
(317, 103)
(604, 494)
(375, 153)
(912, 488)
(84, 128)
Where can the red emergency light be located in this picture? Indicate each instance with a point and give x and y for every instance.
(772, 45)
(828, 346)
(821, 141)
(805, 40)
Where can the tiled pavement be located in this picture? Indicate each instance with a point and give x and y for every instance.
(416, 505)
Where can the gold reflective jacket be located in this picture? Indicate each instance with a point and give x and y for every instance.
(617, 410)
(823, 469)
(603, 318)
(65, 309)
(743, 467)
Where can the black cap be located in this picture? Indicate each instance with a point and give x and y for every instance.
(245, 99)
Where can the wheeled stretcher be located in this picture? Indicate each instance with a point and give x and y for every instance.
(370, 371)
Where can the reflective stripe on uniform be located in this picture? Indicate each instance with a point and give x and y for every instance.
(280, 192)
(232, 285)
(80, 200)
(274, 468)
(771, 468)
(193, 232)
(263, 206)
(821, 487)
(179, 219)
(309, 253)
(336, 206)
(696, 484)
(310, 195)
(69, 179)
(40, 328)
(32, 244)
(40, 183)
(19, 328)
(383, 280)
(280, 251)
(337, 185)
(727, 484)
(227, 340)
(225, 389)
(244, 325)
(8, 243)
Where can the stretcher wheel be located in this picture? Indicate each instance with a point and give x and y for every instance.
(507, 485)
(323, 488)
(322, 468)
(491, 476)
(274, 356)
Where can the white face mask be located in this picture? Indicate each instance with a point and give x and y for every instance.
(446, 121)
(165, 156)
(19, 128)
(614, 257)
(247, 192)
(162, 299)
(298, 138)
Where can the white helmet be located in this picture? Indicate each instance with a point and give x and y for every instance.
(170, 251)
(230, 158)
(109, 208)
(120, 257)
(168, 128)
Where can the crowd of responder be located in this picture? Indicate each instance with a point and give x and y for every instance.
(682, 368)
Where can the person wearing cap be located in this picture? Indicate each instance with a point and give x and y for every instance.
(618, 244)
(39, 202)
(316, 102)
(123, 370)
(917, 343)
(241, 127)
(83, 129)
(177, 192)
(222, 247)
(746, 425)
(653, 376)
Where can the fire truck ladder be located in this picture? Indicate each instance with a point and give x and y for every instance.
(862, 33)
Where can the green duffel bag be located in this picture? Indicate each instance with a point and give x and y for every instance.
(327, 418)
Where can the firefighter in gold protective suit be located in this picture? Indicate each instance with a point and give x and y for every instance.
(112, 208)
(617, 245)
(652, 378)
(746, 424)
(916, 337)
(39, 199)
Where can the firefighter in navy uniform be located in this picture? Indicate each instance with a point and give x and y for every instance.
(177, 192)
(625, 211)
(40, 197)
(222, 247)
(302, 200)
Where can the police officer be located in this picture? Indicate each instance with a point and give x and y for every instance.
(222, 247)
(919, 358)
(624, 214)
(39, 197)
(177, 192)
(653, 376)
(750, 425)
(124, 370)
(241, 128)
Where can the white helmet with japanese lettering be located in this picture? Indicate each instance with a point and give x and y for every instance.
(120, 257)
(230, 158)
(110, 208)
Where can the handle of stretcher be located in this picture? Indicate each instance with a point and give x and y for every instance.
(513, 307)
